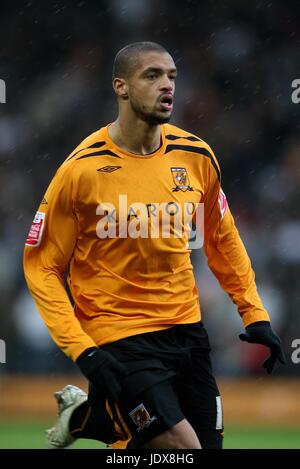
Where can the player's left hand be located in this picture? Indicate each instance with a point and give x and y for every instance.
(261, 333)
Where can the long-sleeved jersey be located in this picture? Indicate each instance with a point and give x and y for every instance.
(101, 220)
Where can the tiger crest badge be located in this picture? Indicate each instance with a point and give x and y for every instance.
(181, 180)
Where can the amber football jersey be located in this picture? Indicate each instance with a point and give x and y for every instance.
(113, 221)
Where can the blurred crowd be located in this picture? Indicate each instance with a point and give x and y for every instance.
(236, 63)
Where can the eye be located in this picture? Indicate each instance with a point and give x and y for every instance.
(172, 77)
(151, 76)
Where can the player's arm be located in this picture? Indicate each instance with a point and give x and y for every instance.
(226, 254)
(48, 250)
(230, 263)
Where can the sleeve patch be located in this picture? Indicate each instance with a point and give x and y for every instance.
(223, 204)
(36, 230)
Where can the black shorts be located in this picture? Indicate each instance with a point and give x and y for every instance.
(169, 379)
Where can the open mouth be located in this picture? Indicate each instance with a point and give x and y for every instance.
(166, 102)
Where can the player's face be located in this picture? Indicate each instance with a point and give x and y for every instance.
(151, 87)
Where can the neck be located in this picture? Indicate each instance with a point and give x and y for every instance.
(135, 136)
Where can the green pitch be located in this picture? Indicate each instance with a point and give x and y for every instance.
(31, 435)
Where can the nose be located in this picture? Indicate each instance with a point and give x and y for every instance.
(167, 84)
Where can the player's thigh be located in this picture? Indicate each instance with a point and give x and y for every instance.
(150, 413)
(140, 416)
(105, 419)
(200, 400)
(180, 436)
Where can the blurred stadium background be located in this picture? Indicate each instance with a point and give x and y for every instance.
(236, 63)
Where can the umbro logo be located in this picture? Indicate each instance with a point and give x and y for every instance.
(108, 169)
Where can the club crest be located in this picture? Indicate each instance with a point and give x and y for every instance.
(181, 180)
(141, 417)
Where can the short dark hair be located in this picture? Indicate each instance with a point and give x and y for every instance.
(125, 59)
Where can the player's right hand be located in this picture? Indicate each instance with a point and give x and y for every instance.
(103, 371)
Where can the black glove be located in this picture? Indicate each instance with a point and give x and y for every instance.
(102, 370)
(261, 333)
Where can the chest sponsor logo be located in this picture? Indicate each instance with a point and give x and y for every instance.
(181, 180)
(108, 169)
(36, 230)
(152, 220)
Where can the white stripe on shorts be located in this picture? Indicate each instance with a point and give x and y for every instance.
(219, 419)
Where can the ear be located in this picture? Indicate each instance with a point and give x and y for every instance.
(120, 87)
